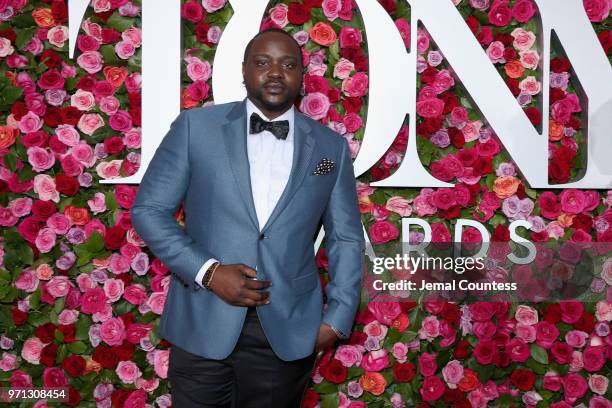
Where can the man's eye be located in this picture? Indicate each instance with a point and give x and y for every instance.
(260, 63)
(289, 65)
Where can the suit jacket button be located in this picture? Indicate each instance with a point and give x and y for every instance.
(262, 237)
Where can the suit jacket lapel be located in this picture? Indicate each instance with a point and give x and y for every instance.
(302, 154)
(234, 137)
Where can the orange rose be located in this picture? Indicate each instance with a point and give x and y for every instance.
(91, 365)
(373, 383)
(506, 186)
(78, 215)
(566, 220)
(322, 34)
(8, 135)
(469, 381)
(187, 101)
(43, 18)
(514, 69)
(115, 75)
(555, 131)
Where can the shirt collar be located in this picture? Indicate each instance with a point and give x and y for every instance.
(288, 115)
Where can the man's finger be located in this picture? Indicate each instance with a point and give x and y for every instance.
(248, 271)
(257, 284)
(259, 296)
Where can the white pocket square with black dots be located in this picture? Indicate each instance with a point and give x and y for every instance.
(325, 166)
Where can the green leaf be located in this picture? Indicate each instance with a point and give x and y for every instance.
(539, 354)
(78, 347)
(95, 243)
(10, 161)
(120, 23)
(108, 52)
(82, 327)
(329, 400)
(24, 36)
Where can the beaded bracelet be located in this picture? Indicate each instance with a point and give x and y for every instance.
(209, 275)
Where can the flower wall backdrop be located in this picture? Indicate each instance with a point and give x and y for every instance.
(81, 295)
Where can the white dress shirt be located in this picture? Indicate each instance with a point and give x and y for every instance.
(270, 161)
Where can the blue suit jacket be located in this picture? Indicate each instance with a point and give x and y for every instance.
(203, 162)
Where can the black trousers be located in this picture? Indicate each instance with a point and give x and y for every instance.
(252, 376)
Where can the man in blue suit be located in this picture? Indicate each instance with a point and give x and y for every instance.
(244, 311)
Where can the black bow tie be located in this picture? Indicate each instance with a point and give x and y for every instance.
(279, 128)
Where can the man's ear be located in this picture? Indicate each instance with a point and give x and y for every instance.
(243, 64)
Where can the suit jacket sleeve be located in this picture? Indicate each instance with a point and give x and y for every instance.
(161, 191)
(345, 248)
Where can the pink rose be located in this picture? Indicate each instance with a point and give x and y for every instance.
(83, 100)
(376, 330)
(350, 37)
(58, 286)
(31, 349)
(113, 288)
(45, 240)
(89, 123)
(91, 61)
(572, 201)
(399, 350)
(526, 315)
(128, 372)
(109, 170)
(160, 363)
(348, 355)
(546, 334)
(439, 232)
(598, 384)
(471, 130)
(571, 311)
(594, 358)
(44, 186)
(20, 207)
(109, 105)
(385, 312)
(403, 26)
(427, 364)
(59, 223)
(278, 14)
(530, 59)
(430, 107)
(93, 300)
(316, 105)
(574, 385)
(430, 328)
(452, 372)
(84, 154)
(576, 338)
(443, 81)
(500, 14)
(383, 231)
(523, 10)
(58, 35)
(375, 360)
(112, 331)
(530, 86)
(597, 10)
(357, 85)
(27, 281)
(343, 68)
(125, 49)
(40, 159)
(68, 135)
(527, 333)
(213, 5)
(121, 121)
(30, 122)
(523, 40)
(458, 116)
(132, 138)
(156, 302)
(331, 8)
(518, 350)
(71, 166)
(198, 70)
(353, 122)
(132, 35)
(399, 205)
(8, 362)
(432, 389)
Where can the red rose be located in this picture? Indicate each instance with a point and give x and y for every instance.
(483, 166)
(74, 397)
(379, 173)
(56, 145)
(513, 85)
(40, 138)
(46, 332)
(560, 65)
(457, 137)
(485, 36)
(450, 312)
(500, 14)
(432, 389)
(351, 104)
(125, 350)
(388, 5)
(66, 185)
(105, 356)
(403, 372)
(523, 379)
(119, 396)
(383, 231)
(450, 101)
(315, 83)
(556, 94)
(29, 227)
(70, 115)
(48, 354)
(484, 352)
(9, 34)
(534, 115)
(87, 82)
(59, 11)
(43, 209)
(429, 75)
(68, 330)
(114, 238)
(201, 32)
(451, 213)
(583, 222)
(461, 349)
(501, 359)
(19, 317)
(109, 35)
(192, 11)
(51, 79)
(114, 145)
(510, 54)
(558, 172)
(51, 58)
(334, 372)
(298, 14)
(74, 365)
(501, 233)
(586, 323)
(310, 398)
(553, 313)
(473, 24)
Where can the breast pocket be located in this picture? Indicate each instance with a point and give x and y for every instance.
(305, 283)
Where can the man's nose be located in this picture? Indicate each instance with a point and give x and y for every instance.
(275, 71)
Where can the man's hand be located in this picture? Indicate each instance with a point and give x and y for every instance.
(326, 339)
(235, 285)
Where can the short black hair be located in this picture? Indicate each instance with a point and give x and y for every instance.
(266, 31)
